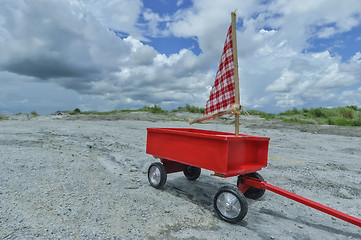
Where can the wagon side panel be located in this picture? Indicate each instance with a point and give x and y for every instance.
(200, 152)
(247, 155)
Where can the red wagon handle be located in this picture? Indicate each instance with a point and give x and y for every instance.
(246, 182)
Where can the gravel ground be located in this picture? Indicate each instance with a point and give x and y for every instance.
(66, 177)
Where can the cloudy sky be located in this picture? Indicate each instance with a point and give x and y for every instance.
(124, 54)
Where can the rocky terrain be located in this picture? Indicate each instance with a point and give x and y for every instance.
(85, 177)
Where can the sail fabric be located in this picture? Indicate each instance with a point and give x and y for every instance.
(222, 95)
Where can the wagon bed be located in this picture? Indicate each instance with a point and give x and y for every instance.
(224, 153)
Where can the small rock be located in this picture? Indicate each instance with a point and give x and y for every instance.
(135, 179)
(343, 193)
(133, 169)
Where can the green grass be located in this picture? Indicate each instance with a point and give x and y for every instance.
(264, 115)
(77, 111)
(190, 109)
(34, 113)
(1, 117)
(153, 109)
(297, 120)
(340, 116)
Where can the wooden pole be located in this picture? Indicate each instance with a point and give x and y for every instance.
(235, 62)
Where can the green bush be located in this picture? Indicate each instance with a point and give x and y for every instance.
(34, 113)
(190, 109)
(294, 111)
(75, 111)
(194, 109)
(356, 122)
(341, 116)
(268, 116)
(318, 112)
(346, 112)
(338, 121)
(353, 107)
(155, 109)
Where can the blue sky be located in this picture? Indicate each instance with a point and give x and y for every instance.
(125, 54)
(166, 7)
(343, 44)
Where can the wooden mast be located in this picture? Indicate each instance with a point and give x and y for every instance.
(235, 62)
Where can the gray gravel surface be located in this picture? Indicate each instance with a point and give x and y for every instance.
(86, 178)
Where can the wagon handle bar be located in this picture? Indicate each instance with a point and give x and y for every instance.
(253, 182)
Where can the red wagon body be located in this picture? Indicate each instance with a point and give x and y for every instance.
(189, 150)
(224, 153)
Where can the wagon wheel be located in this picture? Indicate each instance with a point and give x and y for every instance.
(252, 192)
(191, 173)
(157, 176)
(230, 204)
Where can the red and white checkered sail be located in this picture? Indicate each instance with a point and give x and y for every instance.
(222, 94)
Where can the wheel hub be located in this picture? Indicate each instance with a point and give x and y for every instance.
(228, 205)
(154, 175)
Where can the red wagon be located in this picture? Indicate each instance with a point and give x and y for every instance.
(228, 155)
(189, 150)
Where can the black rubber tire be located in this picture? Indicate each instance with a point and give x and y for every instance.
(191, 173)
(157, 175)
(252, 192)
(232, 210)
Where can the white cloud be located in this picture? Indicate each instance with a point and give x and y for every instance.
(68, 44)
(351, 97)
(118, 15)
(284, 82)
(306, 79)
(71, 47)
(356, 58)
(327, 32)
(153, 21)
(179, 2)
(334, 78)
